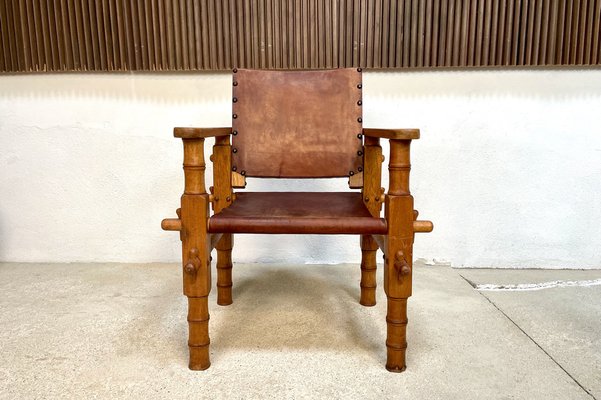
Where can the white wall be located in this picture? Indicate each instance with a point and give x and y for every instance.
(508, 167)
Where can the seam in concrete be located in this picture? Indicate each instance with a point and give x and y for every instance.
(536, 286)
(530, 337)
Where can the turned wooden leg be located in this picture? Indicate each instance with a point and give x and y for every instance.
(196, 253)
(399, 254)
(396, 337)
(368, 271)
(224, 269)
(198, 335)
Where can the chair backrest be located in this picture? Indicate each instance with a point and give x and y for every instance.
(297, 124)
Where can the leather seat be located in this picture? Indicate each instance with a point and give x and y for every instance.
(297, 213)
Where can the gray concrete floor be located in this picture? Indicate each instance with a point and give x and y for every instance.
(119, 331)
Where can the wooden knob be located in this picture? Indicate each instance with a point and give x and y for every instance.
(401, 265)
(423, 226)
(193, 262)
(171, 224)
(190, 269)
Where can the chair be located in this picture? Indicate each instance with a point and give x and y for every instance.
(296, 124)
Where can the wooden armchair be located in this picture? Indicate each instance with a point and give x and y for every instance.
(297, 124)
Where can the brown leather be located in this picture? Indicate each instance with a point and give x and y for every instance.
(297, 124)
(297, 212)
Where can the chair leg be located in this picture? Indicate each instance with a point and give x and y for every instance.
(224, 270)
(368, 271)
(396, 338)
(198, 335)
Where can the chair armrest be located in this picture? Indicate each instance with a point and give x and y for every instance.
(395, 134)
(200, 133)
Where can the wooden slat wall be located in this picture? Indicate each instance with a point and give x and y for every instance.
(155, 35)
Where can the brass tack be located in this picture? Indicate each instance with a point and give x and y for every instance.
(359, 168)
(235, 83)
(243, 173)
(235, 99)
(359, 69)
(235, 70)
(358, 119)
(228, 199)
(359, 153)
(234, 168)
(359, 136)
(234, 150)
(234, 133)
(366, 199)
(359, 102)
(351, 173)
(235, 116)
(359, 86)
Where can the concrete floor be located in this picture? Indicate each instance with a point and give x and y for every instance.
(119, 331)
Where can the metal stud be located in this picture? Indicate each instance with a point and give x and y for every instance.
(359, 86)
(359, 136)
(234, 133)
(236, 116)
(234, 150)
(235, 83)
(242, 173)
(359, 70)
(360, 168)
(235, 70)
(235, 99)
(359, 153)
(351, 173)
(359, 120)
(234, 168)
(358, 103)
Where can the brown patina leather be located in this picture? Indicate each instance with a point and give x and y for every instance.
(297, 212)
(297, 124)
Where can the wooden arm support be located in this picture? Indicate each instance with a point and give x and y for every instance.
(394, 134)
(200, 133)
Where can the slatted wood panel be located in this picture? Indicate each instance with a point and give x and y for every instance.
(149, 35)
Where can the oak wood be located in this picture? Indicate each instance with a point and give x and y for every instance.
(223, 197)
(171, 224)
(368, 271)
(195, 253)
(396, 134)
(197, 133)
(373, 197)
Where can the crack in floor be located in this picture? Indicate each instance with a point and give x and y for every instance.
(474, 285)
(536, 286)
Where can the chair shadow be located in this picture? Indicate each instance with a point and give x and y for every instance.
(278, 308)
